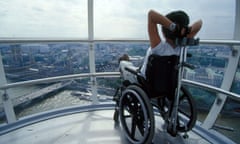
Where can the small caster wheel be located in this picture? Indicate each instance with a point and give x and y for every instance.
(185, 136)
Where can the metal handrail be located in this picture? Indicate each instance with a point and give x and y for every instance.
(76, 40)
(59, 78)
(211, 88)
(114, 74)
(221, 42)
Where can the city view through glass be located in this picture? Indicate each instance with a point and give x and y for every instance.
(23, 62)
(34, 61)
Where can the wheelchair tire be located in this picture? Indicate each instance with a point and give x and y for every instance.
(188, 110)
(136, 115)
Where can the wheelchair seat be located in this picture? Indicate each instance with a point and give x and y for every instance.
(162, 76)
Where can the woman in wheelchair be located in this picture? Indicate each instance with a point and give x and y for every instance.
(158, 78)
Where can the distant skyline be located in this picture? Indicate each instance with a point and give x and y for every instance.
(113, 19)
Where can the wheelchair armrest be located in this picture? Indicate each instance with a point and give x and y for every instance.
(140, 78)
(133, 71)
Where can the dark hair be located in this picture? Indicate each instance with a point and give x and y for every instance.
(178, 17)
(124, 57)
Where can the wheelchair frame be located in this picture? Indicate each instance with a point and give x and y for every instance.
(132, 102)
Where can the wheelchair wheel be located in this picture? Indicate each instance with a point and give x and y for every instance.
(187, 109)
(136, 115)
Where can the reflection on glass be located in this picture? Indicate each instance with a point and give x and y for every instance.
(34, 61)
(228, 122)
(210, 62)
(107, 54)
(236, 82)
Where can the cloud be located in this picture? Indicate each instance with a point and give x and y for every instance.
(44, 18)
(112, 18)
(123, 18)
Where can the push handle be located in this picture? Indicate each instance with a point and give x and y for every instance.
(187, 41)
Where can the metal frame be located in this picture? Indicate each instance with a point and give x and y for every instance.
(72, 40)
(208, 123)
(228, 76)
(226, 85)
(92, 51)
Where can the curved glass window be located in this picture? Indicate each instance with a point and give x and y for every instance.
(118, 19)
(49, 19)
(128, 18)
(22, 62)
(236, 82)
(210, 63)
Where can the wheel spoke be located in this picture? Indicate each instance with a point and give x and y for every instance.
(134, 126)
(127, 116)
(141, 128)
(182, 111)
(136, 116)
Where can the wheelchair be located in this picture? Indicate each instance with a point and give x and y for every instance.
(161, 91)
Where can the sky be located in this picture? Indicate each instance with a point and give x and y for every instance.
(113, 19)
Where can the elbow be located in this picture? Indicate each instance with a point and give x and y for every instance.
(199, 25)
(196, 27)
(149, 16)
(150, 13)
(200, 22)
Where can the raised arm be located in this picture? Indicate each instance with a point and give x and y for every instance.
(155, 18)
(195, 27)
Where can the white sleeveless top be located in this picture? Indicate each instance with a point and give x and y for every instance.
(162, 49)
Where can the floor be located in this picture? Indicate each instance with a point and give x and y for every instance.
(85, 128)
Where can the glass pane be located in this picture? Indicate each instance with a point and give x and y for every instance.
(231, 112)
(128, 18)
(228, 122)
(33, 61)
(107, 54)
(210, 63)
(74, 94)
(107, 88)
(236, 82)
(44, 18)
(112, 19)
(203, 99)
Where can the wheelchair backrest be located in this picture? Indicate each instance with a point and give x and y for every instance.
(162, 75)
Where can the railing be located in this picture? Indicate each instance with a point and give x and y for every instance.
(59, 78)
(208, 123)
(212, 89)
